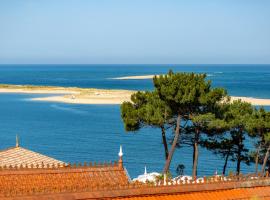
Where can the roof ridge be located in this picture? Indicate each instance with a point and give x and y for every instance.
(8, 149)
(21, 156)
(19, 147)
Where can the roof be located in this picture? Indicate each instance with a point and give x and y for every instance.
(110, 181)
(17, 156)
(27, 175)
(35, 181)
(238, 193)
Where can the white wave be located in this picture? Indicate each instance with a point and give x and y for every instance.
(69, 109)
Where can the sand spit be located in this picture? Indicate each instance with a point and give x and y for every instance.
(94, 96)
(76, 95)
(71, 94)
(253, 101)
(135, 77)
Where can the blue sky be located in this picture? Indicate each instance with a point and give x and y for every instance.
(135, 31)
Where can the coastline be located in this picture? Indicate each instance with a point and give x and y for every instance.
(75, 95)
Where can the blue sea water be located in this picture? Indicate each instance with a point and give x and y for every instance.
(78, 133)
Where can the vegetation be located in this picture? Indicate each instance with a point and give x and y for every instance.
(200, 115)
(259, 128)
(147, 109)
(231, 144)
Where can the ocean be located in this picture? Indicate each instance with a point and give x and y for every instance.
(78, 133)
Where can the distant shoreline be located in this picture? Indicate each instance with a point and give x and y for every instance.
(75, 95)
(134, 77)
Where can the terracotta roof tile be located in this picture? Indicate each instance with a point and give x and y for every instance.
(21, 156)
(24, 182)
(262, 193)
(109, 181)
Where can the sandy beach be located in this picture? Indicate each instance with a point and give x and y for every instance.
(76, 95)
(93, 96)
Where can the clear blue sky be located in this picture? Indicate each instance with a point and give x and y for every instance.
(135, 31)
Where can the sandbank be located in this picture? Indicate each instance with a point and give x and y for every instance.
(135, 77)
(76, 95)
(93, 96)
(72, 95)
(253, 101)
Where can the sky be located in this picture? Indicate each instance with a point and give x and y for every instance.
(135, 32)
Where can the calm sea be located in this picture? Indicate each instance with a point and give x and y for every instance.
(78, 133)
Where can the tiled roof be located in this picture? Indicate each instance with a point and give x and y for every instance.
(35, 176)
(256, 193)
(21, 156)
(110, 181)
(68, 179)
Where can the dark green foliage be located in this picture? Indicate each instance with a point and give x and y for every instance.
(130, 117)
(187, 93)
(146, 109)
(259, 128)
(190, 98)
(230, 145)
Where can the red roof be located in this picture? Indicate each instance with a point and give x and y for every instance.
(255, 193)
(18, 156)
(110, 181)
(36, 181)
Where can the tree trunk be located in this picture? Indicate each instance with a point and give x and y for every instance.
(164, 141)
(175, 140)
(265, 160)
(239, 152)
(226, 162)
(257, 159)
(238, 166)
(238, 158)
(193, 156)
(268, 167)
(196, 154)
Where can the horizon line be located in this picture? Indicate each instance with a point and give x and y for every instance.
(134, 64)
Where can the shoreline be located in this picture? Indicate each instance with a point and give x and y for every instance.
(75, 95)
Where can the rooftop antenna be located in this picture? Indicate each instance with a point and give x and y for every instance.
(145, 171)
(17, 141)
(120, 154)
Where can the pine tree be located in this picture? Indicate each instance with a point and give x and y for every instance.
(188, 95)
(258, 127)
(231, 144)
(146, 109)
